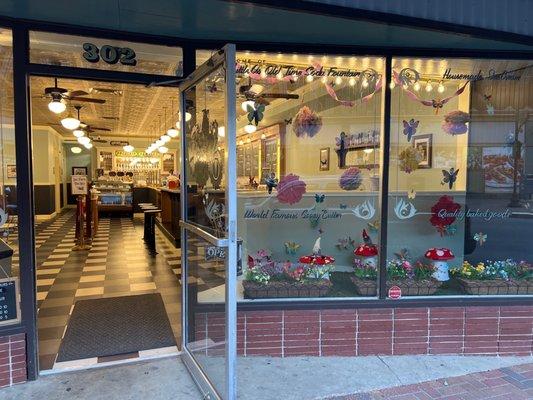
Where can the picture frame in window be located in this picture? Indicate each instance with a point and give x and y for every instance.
(324, 159)
(424, 143)
(11, 171)
(79, 170)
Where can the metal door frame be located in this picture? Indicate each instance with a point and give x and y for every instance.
(224, 58)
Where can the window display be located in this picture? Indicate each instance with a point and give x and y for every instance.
(312, 213)
(457, 204)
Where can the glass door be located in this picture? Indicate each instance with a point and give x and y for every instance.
(208, 223)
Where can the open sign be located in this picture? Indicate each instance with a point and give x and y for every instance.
(215, 252)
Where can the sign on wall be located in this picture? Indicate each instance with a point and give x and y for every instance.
(9, 305)
(79, 184)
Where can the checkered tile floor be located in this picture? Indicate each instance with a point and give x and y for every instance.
(117, 264)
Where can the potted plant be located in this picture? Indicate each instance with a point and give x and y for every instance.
(494, 277)
(413, 280)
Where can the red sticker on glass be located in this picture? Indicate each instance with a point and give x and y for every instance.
(395, 292)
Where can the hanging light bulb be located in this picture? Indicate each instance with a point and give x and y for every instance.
(149, 150)
(263, 136)
(84, 140)
(76, 149)
(440, 88)
(88, 146)
(309, 78)
(416, 86)
(338, 80)
(241, 142)
(78, 133)
(70, 122)
(279, 75)
(250, 128)
(57, 105)
(263, 74)
(246, 103)
(248, 140)
(163, 149)
(128, 148)
(165, 138)
(351, 82)
(159, 143)
(429, 88)
(364, 83)
(392, 85)
(221, 131)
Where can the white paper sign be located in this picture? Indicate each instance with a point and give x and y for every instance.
(79, 184)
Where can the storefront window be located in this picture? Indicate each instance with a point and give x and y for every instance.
(461, 177)
(308, 151)
(115, 55)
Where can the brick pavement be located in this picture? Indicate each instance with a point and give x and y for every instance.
(513, 383)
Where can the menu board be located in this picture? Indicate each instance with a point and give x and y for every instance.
(248, 159)
(168, 162)
(9, 306)
(270, 157)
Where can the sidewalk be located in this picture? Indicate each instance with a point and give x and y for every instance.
(300, 378)
(514, 383)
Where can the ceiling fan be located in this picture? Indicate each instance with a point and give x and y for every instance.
(58, 96)
(254, 92)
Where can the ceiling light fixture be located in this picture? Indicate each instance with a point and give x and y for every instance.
(163, 149)
(250, 128)
(173, 132)
(76, 149)
(165, 138)
(128, 148)
(70, 122)
(88, 146)
(84, 140)
(78, 133)
(57, 105)
(247, 103)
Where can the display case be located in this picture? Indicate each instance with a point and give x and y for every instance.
(114, 196)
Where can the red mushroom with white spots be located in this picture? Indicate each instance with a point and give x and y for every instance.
(367, 252)
(440, 257)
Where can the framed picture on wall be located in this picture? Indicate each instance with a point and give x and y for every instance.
(79, 170)
(324, 159)
(11, 170)
(424, 144)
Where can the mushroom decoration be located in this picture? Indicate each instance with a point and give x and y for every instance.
(367, 252)
(316, 258)
(440, 257)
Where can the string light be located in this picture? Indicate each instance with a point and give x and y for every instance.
(392, 85)
(416, 86)
(440, 89)
(263, 74)
(279, 75)
(429, 87)
(250, 128)
(364, 83)
(323, 79)
(352, 82)
(338, 80)
(309, 78)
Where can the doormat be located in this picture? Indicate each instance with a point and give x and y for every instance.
(116, 325)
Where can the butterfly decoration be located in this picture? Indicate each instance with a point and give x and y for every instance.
(450, 230)
(480, 237)
(437, 104)
(343, 206)
(291, 247)
(411, 194)
(288, 121)
(403, 254)
(212, 88)
(345, 243)
(271, 182)
(373, 226)
(449, 177)
(255, 114)
(488, 104)
(319, 198)
(409, 128)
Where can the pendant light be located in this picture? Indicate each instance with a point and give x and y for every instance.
(172, 132)
(246, 103)
(57, 105)
(84, 140)
(250, 128)
(164, 137)
(162, 149)
(76, 149)
(70, 122)
(128, 148)
(88, 146)
(78, 133)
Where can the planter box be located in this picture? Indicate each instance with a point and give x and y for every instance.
(495, 286)
(409, 288)
(274, 290)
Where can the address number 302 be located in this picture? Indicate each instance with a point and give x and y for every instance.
(109, 54)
